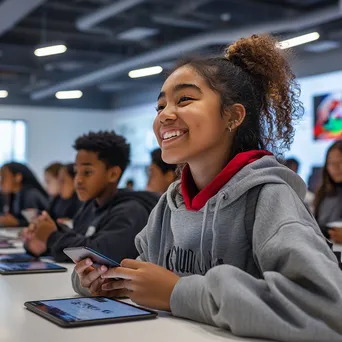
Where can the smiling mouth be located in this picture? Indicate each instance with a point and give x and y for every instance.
(173, 135)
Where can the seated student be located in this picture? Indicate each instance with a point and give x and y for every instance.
(130, 185)
(293, 164)
(19, 182)
(232, 244)
(110, 218)
(328, 203)
(51, 173)
(65, 206)
(161, 174)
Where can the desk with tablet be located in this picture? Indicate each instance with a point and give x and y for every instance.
(17, 324)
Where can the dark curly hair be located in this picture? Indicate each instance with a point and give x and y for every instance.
(255, 73)
(328, 186)
(157, 159)
(111, 148)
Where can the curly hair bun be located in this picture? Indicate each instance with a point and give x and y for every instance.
(261, 58)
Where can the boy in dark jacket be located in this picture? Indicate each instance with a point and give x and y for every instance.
(110, 218)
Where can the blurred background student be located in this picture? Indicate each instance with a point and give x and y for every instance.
(51, 173)
(66, 204)
(160, 174)
(294, 165)
(27, 193)
(130, 185)
(328, 202)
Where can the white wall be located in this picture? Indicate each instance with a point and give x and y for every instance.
(135, 124)
(51, 132)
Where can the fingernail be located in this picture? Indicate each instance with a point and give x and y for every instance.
(88, 262)
(103, 268)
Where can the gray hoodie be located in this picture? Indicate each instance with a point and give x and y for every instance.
(296, 296)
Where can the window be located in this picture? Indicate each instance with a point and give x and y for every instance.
(12, 141)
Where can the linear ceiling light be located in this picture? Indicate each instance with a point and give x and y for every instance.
(69, 95)
(50, 50)
(306, 38)
(145, 72)
(3, 94)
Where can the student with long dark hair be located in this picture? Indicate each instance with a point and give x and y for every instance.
(328, 202)
(27, 193)
(231, 244)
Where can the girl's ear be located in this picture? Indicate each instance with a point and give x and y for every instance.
(238, 115)
(235, 116)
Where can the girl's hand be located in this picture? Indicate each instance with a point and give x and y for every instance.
(336, 235)
(9, 220)
(90, 278)
(144, 283)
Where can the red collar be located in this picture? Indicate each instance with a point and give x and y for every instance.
(195, 200)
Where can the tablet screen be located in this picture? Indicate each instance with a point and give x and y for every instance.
(87, 309)
(26, 266)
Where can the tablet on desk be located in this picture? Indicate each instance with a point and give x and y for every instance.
(6, 244)
(75, 312)
(7, 268)
(17, 257)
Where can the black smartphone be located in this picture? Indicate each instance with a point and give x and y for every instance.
(79, 253)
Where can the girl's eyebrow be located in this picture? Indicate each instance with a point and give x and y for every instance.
(181, 86)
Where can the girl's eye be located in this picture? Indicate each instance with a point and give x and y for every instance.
(159, 108)
(184, 99)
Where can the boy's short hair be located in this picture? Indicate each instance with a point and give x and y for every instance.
(112, 149)
(157, 159)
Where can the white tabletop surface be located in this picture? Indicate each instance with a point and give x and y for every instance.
(20, 325)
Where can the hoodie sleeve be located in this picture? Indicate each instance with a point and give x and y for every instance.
(300, 297)
(115, 239)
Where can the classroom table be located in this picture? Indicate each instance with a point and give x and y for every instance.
(20, 325)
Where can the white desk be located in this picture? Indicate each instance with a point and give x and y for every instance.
(20, 325)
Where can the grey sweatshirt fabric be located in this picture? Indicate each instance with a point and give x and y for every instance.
(297, 295)
(330, 210)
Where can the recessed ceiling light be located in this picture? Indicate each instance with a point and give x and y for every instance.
(3, 94)
(50, 50)
(145, 72)
(69, 95)
(137, 33)
(225, 16)
(306, 38)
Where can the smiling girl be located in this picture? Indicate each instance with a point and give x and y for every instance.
(232, 243)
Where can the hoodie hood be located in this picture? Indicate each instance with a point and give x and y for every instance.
(266, 170)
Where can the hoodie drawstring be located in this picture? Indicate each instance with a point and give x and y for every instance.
(221, 198)
(203, 230)
(206, 209)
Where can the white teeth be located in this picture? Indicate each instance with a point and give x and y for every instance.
(172, 134)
